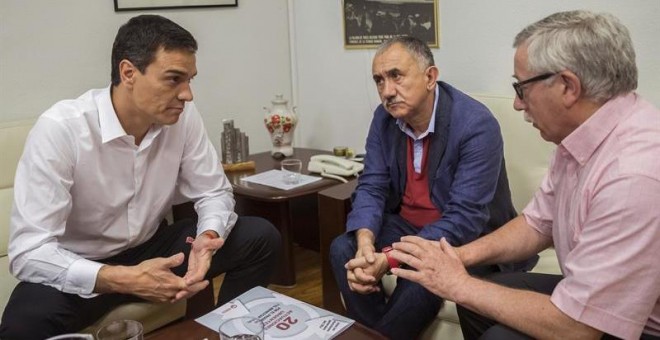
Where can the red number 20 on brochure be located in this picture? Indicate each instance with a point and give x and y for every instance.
(286, 323)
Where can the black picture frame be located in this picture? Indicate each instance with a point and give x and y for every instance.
(367, 23)
(138, 5)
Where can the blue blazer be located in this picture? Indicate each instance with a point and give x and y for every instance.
(467, 176)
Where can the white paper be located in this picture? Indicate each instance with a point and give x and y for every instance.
(284, 317)
(274, 178)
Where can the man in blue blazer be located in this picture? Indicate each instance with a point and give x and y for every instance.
(434, 167)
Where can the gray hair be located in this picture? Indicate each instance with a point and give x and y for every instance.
(417, 48)
(595, 46)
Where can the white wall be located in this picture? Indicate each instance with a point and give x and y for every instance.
(53, 50)
(336, 96)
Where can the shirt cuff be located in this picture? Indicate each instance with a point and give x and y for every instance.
(81, 278)
(222, 226)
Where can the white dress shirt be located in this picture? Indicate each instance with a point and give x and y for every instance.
(418, 141)
(84, 191)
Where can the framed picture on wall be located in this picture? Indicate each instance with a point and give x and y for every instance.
(134, 5)
(367, 23)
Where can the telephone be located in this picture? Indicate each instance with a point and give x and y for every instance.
(334, 167)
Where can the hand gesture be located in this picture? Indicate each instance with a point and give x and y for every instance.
(199, 262)
(438, 267)
(363, 275)
(151, 280)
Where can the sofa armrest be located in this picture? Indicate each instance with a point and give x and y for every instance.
(334, 206)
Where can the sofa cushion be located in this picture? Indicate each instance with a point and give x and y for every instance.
(527, 155)
(12, 139)
(548, 263)
(440, 329)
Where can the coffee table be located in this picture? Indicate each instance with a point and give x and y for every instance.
(294, 212)
(190, 329)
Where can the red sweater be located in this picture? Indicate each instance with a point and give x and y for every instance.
(416, 206)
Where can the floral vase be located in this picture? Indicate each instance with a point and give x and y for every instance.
(280, 122)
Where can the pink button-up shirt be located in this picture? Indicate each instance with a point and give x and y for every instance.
(600, 202)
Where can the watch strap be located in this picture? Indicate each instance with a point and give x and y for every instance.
(393, 263)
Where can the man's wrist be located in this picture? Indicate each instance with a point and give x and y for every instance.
(212, 234)
(464, 255)
(109, 279)
(391, 261)
(364, 236)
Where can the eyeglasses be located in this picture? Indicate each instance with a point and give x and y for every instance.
(518, 86)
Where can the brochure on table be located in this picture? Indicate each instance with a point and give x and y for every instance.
(274, 178)
(283, 317)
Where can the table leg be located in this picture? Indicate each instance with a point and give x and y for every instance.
(332, 222)
(285, 273)
(279, 214)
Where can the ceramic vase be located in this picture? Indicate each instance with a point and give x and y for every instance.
(280, 122)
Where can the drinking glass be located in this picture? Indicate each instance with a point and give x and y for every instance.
(121, 330)
(291, 170)
(242, 328)
(72, 336)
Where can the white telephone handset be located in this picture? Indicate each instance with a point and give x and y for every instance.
(333, 167)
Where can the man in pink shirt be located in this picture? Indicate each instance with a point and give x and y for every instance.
(597, 205)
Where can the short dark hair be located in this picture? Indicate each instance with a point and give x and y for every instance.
(417, 48)
(141, 37)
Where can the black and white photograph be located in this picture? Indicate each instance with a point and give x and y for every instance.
(367, 23)
(135, 5)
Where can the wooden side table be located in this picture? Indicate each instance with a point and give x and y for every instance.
(334, 206)
(294, 212)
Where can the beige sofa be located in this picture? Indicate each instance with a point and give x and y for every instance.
(152, 315)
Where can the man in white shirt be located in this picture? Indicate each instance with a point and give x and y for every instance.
(97, 177)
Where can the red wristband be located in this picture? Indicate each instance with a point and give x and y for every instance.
(390, 260)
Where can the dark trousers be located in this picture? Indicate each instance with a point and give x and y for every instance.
(405, 313)
(37, 311)
(476, 326)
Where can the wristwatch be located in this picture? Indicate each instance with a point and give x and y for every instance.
(390, 260)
